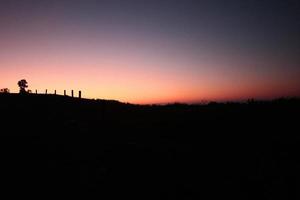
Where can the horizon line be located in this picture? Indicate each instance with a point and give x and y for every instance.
(200, 102)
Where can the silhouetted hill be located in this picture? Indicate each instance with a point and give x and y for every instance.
(232, 150)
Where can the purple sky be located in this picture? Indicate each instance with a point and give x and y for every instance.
(153, 51)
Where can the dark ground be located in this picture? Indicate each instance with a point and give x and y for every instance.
(218, 151)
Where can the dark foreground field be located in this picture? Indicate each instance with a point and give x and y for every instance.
(53, 144)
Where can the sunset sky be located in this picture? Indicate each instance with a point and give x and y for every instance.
(153, 51)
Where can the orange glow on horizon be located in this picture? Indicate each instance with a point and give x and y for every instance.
(144, 88)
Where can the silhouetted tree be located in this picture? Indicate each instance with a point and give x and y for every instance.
(4, 90)
(23, 85)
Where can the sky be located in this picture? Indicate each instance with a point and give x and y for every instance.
(155, 51)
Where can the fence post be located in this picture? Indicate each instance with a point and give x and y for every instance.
(35, 91)
(46, 91)
(65, 93)
(79, 94)
(72, 93)
(54, 92)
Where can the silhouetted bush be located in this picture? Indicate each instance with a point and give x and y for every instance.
(4, 90)
(23, 85)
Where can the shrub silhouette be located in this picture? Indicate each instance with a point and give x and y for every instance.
(4, 90)
(23, 85)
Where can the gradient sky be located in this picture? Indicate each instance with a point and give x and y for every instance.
(153, 51)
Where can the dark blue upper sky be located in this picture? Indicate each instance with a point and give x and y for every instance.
(264, 25)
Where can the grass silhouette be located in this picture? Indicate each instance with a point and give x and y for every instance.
(237, 150)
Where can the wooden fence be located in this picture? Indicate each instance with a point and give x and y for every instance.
(65, 93)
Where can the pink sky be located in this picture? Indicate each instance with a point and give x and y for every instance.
(141, 68)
